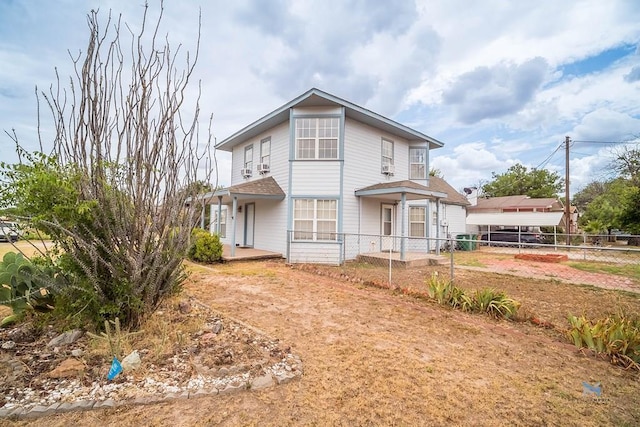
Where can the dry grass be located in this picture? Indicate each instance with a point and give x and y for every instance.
(375, 357)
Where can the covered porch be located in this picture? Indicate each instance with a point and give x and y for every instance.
(397, 193)
(247, 194)
(247, 254)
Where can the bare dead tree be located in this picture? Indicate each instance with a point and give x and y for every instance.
(120, 123)
(626, 161)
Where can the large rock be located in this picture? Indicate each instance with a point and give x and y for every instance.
(65, 338)
(68, 368)
(131, 362)
(262, 382)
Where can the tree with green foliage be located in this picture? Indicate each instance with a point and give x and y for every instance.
(604, 213)
(518, 180)
(630, 215)
(585, 196)
(125, 162)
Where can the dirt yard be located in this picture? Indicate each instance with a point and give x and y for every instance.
(375, 357)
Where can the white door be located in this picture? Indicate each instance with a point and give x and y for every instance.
(249, 223)
(387, 227)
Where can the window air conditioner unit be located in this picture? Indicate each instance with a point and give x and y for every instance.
(263, 168)
(388, 169)
(246, 173)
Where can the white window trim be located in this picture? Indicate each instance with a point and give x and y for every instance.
(424, 164)
(423, 222)
(316, 139)
(315, 220)
(262, 155)
(383, 157)
(223, 222)
(248, 164)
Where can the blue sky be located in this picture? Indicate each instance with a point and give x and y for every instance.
(498, 81)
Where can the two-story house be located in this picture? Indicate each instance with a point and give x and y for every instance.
(321, 179)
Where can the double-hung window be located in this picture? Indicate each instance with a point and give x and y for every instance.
(223, 222)
(248, 157)
(317, 138)
(417, 163)
(314, 219)
(417, 221)
(265, 151)
(387, 152)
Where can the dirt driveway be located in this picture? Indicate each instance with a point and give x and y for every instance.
(376, 358)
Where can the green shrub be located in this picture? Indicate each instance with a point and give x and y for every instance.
(205, 247)
(617, 336)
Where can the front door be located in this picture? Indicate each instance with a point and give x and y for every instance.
(387, 227)
(249, 223)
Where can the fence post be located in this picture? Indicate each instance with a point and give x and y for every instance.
(451, 258)
(390, 263)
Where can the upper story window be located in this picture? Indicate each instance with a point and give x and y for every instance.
(265, 151)
(417, 163)
(317, 138)
(387, 152)
(248, 157)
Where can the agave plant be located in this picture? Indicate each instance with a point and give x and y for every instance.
(617, 336)
(495, 303)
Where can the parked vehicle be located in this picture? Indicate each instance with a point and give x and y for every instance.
(9, 231)
(510, 235)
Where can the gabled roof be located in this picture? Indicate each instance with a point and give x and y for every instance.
(437, 188)
(317, 98)
(453, 197)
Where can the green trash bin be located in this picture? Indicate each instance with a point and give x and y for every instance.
(466, 242)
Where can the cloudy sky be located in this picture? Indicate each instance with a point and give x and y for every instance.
(498, 81)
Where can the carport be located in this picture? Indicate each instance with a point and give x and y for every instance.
(517, 219)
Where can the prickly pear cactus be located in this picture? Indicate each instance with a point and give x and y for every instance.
(19, 288)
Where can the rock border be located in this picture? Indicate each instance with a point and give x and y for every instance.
(293, 369)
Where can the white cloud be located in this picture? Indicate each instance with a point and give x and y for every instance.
(401, 59)
(606, 125)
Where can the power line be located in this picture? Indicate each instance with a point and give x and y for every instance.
(545, 161)
(606, 142)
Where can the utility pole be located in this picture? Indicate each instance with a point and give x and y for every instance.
(567, 203)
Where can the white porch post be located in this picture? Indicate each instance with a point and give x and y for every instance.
(211, 230)
(234, 213)
(403, 233)
(218, 223)
(202, 215)
(438, 243)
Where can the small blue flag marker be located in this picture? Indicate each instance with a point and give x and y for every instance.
(115, 369)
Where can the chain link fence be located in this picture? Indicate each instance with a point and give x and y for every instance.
(395, 261)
